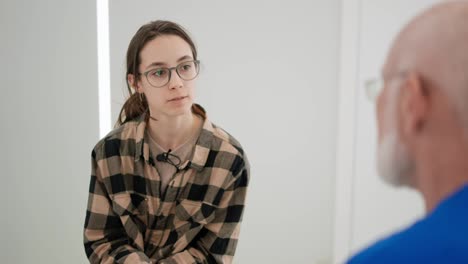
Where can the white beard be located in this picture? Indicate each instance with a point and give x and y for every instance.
(394, 163)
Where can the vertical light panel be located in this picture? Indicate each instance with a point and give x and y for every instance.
(103, 67)
(350, 12)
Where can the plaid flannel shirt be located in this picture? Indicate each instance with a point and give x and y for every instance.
(196, 220)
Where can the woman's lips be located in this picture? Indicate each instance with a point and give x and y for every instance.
(176, 99)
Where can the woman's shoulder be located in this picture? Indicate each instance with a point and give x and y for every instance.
(230, 153)
(112, 142)
(230, 143)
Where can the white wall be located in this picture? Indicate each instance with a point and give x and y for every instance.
(389, 208)
(49, 117)
(269, 78)
(368, 208)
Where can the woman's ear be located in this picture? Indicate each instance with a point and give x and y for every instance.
(132, 82)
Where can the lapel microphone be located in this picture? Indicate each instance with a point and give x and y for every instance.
(170, 158)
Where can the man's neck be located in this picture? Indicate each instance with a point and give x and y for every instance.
(434, 195)
(442, 174)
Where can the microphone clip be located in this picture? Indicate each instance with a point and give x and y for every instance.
(170, 158)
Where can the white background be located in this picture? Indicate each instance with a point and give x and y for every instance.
(378, 208)
(270, 77)
(49, 124)
(368, 208)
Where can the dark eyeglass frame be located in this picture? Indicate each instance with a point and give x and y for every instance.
(176, 68)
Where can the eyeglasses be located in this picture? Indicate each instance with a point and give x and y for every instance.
(373, 88)
(159, 77)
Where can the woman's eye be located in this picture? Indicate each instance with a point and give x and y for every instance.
(186, 67)
(159, 73)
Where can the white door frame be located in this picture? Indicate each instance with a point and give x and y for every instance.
(348, 85)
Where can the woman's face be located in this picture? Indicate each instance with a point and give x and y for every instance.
(176, 97)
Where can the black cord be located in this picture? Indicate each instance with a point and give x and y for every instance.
(170, 158)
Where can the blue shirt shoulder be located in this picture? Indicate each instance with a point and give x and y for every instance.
(440, 237)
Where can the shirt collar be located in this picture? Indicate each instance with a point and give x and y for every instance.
(202, 146)
(141, 148)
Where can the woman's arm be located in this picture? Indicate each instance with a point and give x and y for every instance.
(218, 240)
(105, 238)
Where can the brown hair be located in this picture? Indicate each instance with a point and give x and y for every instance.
(137, 104)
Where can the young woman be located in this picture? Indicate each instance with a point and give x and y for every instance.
(167, 185)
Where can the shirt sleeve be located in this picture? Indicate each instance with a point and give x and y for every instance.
(105, 239)
(218, 240)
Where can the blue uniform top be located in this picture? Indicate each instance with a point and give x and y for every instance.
(440, 237)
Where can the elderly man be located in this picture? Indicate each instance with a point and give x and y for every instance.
(422, 117)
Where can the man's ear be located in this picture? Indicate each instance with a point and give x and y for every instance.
(414, 105)
(132, 82)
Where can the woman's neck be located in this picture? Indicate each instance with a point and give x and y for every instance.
(172, 132)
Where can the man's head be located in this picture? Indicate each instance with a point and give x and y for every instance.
(423, 110)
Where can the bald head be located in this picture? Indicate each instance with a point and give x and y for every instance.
(435, 45)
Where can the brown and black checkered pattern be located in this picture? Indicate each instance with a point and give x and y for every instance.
(196, 220)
